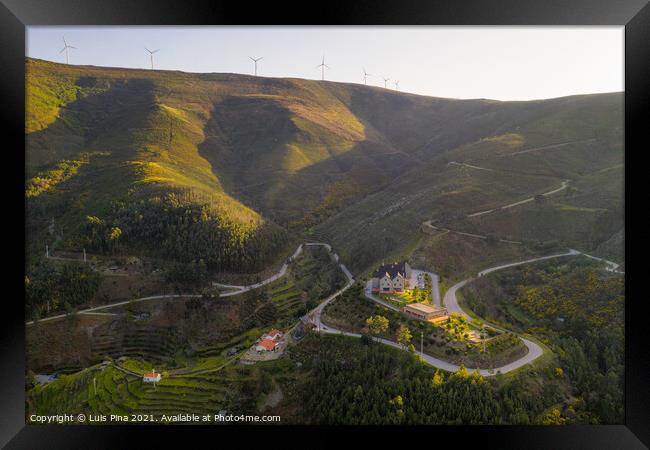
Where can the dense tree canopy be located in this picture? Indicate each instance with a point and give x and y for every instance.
(50, 287)
(182, 228)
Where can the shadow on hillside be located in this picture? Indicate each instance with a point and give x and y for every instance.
(255, 149)
(103, 119)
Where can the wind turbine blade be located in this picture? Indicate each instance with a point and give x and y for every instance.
(70, 46)
(62, 50)
(147, 49)
(251, 58)
(155, 51)
(64, 42)
(327, 66)
(261, 58)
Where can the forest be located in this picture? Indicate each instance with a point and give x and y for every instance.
(578, 311)
(356, 382)
(51, 287)
(178, 227)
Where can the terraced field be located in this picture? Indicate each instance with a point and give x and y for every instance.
(243, 340)
(121, 393)
(157, 344)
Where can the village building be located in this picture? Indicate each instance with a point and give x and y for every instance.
(273, 335)
(151, 377)
(266, 345)
(430, 313)
(391, 278)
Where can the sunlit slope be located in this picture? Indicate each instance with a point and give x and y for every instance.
(578, 139)
(364, 165)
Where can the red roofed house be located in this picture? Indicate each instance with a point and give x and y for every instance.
(273, 335)
(266, 345)
(151, 377)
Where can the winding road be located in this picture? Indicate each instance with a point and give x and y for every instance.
(429, 224)
(563, 186)
(314, 316)
(451, 303)
(237, 289)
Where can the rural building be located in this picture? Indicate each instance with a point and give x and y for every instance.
(430, 313)
(266, 345)
(151, 377)
(391, 278)
(273, 335)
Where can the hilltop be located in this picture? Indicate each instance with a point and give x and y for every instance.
(228, 168)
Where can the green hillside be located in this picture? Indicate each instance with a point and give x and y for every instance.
(228, 168)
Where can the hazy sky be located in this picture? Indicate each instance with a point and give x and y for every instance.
(503, 63)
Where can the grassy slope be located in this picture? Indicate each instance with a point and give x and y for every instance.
(287, 149)
(584, 216)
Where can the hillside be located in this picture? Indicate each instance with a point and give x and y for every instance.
(227, 168)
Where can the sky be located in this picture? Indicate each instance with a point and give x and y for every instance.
(501, 63)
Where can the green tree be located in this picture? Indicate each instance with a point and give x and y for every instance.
(377, 324)
(404, 336)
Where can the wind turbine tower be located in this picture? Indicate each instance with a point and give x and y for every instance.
(386, 80)
(151, 55)
(365, 76)
(322, 68)
(396, 84)
(65, 49)
(255, 62)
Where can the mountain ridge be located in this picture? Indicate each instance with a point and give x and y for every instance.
(276, 153)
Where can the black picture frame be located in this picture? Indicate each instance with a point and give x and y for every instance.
(15, 15)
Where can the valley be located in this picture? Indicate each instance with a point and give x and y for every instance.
(186, 216)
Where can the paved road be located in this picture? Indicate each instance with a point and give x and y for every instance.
(435, 285)
(238, 290)
(113, 305)
(451, 302)
(455, 163)
(429, 224)
(546, 147)
(283, 270)
(314, 316)
(611, 265)
(369, 295)
(563, 186)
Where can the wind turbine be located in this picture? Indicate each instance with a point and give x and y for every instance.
(151, 55)
(65, 49)
(386, 80)
(365, 76)
(396, 84)
(255, 61)
(322, 66)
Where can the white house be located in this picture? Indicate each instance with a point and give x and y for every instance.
(273, 335)
(151, 377)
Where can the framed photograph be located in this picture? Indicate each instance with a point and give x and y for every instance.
(404, 215)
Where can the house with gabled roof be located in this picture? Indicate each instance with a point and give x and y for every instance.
(273, 335)
(391, 278)
(266, 345)
(151, 377)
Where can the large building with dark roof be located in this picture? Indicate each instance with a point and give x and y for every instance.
(391, 278)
